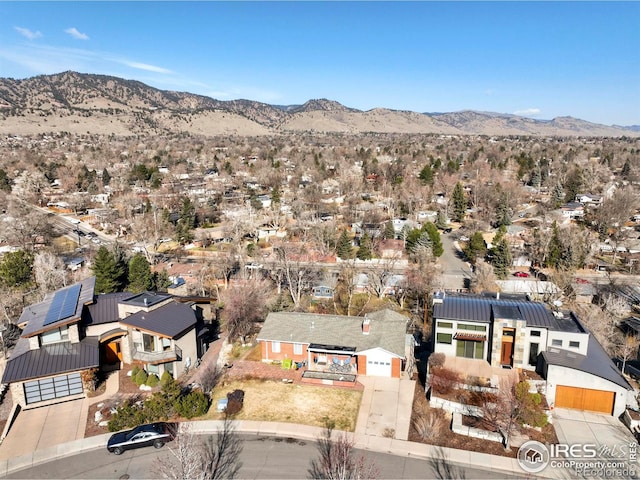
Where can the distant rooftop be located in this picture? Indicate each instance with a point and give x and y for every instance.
(146, 299)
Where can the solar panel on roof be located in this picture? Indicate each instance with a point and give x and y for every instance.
(63, 305)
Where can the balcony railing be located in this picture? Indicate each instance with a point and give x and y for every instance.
(170, 355)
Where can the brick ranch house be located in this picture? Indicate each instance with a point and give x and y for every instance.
(374, 345)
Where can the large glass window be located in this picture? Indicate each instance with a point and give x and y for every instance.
(297, 348)
(445, 325)
(444, 338)
(469, 349)
(54, 336)
(275, 347)
(556, 342)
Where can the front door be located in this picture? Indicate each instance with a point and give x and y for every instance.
(506, 354)
(114, 354)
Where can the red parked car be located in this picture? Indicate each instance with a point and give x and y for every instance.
(521, 274)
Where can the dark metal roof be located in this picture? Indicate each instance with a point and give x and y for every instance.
(597, 363)
(50, 360)
(171, 320)
(104, 309)
(485, 309)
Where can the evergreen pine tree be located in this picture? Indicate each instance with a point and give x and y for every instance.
(140, 276)
(459, 203)
(389, 233)
(626, 169)
(426, 175)
(554, 251)
(108, 271)
(106, 177)
(434, 236)
(503, 216)
(364, 252)
(16, 268)
(557, 196)
(501, 259)
(441, 220)
(476, 247)
(344, 249)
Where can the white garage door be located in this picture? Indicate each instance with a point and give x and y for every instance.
(379, 368)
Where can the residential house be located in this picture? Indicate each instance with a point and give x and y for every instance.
(372, 345)
(572, 210)
(73, 331)
(589, 199)
(514, 332)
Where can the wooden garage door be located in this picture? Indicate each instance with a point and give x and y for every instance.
(585, 399)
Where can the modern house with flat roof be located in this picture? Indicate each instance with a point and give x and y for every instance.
(514, 332)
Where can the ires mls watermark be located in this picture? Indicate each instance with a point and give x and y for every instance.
(585, 460)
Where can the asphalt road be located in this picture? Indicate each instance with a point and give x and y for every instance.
(262, 457)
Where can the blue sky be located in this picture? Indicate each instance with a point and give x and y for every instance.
(538, 59)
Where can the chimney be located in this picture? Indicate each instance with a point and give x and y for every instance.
(146, 302)
(366, 324)
(497, 295)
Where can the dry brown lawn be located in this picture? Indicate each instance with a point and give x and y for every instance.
(272, 401)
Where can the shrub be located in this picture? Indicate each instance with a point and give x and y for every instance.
(436, 360)
(235, 401)
(429, 424)
(443, 380)
(194, 404)
(165, 378)
(128, 415)
(152, 380)
(140, 378)
(134, 371)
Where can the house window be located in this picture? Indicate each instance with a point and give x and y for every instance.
(54, 336)
(445, 325)
(535, 333)
(275, 347)
(151, 368)
(477, 328)
(574, 344)
(149, 342)
(297, 349)
(469, 349)
(444, 338)
(556, 342)
(533, 354)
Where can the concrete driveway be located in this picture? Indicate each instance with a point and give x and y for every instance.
(575, 426)
(612, 438)
(43, 427)
(385, 407)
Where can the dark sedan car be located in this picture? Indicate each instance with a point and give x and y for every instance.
(156, 434)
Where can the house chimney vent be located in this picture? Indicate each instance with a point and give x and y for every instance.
(366, 325)
(146, 302)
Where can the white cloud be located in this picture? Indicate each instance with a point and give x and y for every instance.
(145, 66)
(25, 32)
(528, 112)
(76, 34)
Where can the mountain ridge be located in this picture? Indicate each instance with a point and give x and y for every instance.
(94, 103)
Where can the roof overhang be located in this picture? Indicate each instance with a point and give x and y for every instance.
(470, 336)
(338, 349)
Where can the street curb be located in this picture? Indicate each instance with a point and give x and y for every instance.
(372, 443)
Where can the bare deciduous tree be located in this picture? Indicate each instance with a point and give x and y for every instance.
(336, 460)
(217, 457)
(49, 272)
(484, 280)
(243, 305)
